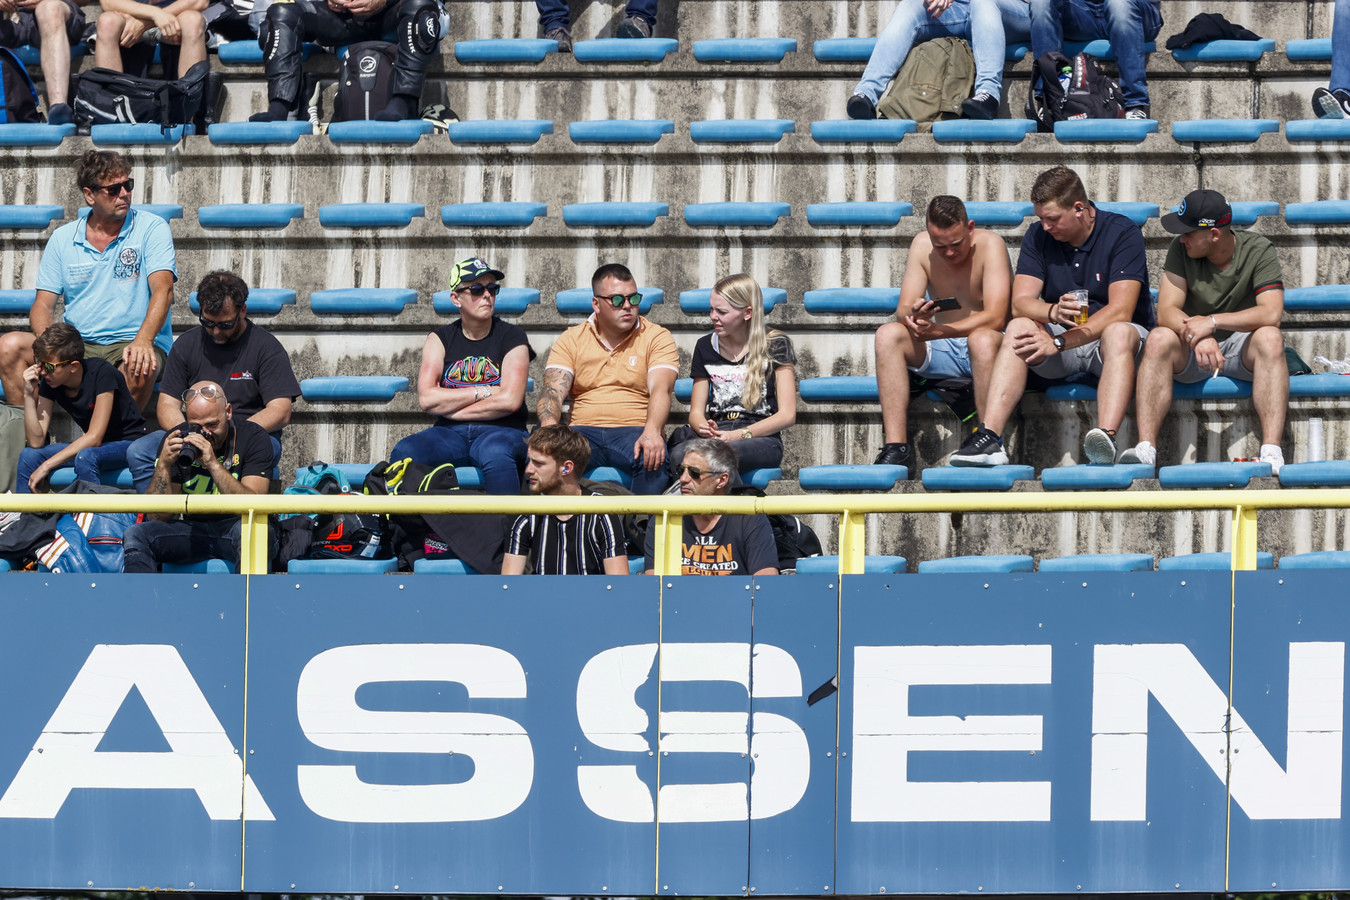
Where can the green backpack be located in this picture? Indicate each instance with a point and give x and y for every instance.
(935, 78)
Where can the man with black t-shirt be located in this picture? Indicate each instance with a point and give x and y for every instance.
(228, 349)
(473, 379)
(569, 544)
(223, 456)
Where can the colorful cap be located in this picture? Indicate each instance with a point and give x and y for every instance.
(1200, 209)
(467, 270)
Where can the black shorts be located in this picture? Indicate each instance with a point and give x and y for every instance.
(26, 28)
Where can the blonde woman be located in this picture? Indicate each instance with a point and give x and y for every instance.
(745, 380)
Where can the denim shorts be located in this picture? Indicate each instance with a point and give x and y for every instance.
(945, 358)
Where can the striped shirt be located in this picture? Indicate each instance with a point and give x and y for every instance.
(577, 546)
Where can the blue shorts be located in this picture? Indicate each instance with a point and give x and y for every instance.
(945, 358)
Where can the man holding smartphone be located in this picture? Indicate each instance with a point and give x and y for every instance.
(965, 272)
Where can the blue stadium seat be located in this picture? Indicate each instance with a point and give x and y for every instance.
(1138, 213)
(1220, 388)
(1100, 48)
(26, 134)
(469, 476)
(1209, 562)
(636, 564)
(989, 131)
(760, 478)
(261, 301)
(839, 389)
(651, 50)
(975, 478)
(510, 214)
(352, 388)
(1308, 50)
(976, 564)
(504, 50)
(30, 215)
(1327, 473)
(990, 213)
(614, 214)
(257, 132)
(1318, 212)
(342, 566)
(609, 473)
(1309, 130)
(846, 50)
(404, 133)
(16, 301)
(249, 52)
(370, 215)
(112, 477)
(1322, 559)
(764, 50)
(4, 565)
(201, 567)
(143, 134)
(450, 566)
(1071, 391)
(740, 131)
(499, 131)
(736, 214)
(1105, 131)
(697, 302)
(1246, 212)
(1224, 51)
(510, 302)
(858, 212)
(1100, 562)
(837, 301)
(684, 389)
(577, 301)
(1222, 131)
(1317, 297)
(249, 215)
(1093, 478)
(620, 131)
(849, 478)
(862, 131)
(1212, 474)
(1322, 384)
(872, 565)
(361, 301)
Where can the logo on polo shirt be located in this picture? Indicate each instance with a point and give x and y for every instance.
(128, 264)
(241, 376)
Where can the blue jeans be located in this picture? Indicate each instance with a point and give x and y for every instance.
(496, 451)
(148, 544)
(614, 447)
(144, 451)
(87, 464)
(1127, 24)
(1340, 47)
(555, 13)
(989, 26)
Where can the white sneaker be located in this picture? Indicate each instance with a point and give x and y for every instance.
(1142, 453)
(1271, 453)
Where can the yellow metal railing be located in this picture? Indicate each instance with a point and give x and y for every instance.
(852, 510)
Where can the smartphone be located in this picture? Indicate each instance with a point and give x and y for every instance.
(947, 304)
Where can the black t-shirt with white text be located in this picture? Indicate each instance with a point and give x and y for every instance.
(253, 370)
(100, 377)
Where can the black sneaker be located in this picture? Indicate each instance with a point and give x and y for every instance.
(1137, 112)
(634, 27)
(983, 105)
(860, 107)
(982, 448)
(1331, 104)
(896, 455)
(563, 35)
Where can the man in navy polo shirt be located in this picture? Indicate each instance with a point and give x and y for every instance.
(1075, 246)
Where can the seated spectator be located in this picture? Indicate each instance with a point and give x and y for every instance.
(1331, 102)
(473, 377)
(555, 18)
(415, 24)
(230, 350)
(563, 544)
(95, 396)
(950, 258)
(989, 26)
(715, 544)
(125, 23)
(1127, 24)
(1211, 271)
(1073, 247)
(618, 369)
(53, 26)
(223, 456)
(745, 385)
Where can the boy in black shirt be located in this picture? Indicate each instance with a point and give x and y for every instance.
(92, 392)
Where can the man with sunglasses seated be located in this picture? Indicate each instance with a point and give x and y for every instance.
(115, 270)
(229, 350)
(210, 453)
(473, 378)
(618, 370)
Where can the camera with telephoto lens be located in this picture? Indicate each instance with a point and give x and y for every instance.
(188, 453)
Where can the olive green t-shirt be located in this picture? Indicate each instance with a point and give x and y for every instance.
(1209, 289)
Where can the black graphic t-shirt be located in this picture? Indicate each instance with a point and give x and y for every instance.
(470, 363)
(247, 451)
(253, 370)
(100, 377)
(726, 380)
(735, 545)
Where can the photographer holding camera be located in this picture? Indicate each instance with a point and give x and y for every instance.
(209, 453)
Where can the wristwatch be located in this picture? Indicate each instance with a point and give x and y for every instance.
(1058, 341)
(746, 434)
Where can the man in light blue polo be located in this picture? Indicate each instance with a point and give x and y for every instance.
(115, 270)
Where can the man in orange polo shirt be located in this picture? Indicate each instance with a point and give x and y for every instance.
(618, 370)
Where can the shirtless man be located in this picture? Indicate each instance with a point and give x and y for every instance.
(950, 260)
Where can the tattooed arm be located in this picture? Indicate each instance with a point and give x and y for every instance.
(557, 387)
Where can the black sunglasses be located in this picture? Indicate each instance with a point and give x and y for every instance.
(694, 472)
(114, 190)
(618, 300)
(477, 289)
(218, 326)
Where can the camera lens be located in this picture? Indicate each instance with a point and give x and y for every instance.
(189, 452)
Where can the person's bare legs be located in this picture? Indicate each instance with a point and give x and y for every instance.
(896, 351)
(52, 16)
(1164, 356)
(192, 40)
(16, 354)
(1119, 344)
(1264, 356)
(108, 46)
(1008, 379)
(983, 346)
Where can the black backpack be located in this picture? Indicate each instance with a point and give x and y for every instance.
(365, 81)
(349, 536)
(792, 537)
(18, 94)
(104, 97)
(1075, 88)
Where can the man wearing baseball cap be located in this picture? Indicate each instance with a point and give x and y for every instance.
(1219, 310)
(473, 379)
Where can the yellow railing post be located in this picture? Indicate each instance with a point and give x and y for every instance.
(252, 544)
(668, 545)
(852, 542)
(1244, 538)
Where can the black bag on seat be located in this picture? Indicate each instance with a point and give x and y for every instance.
(365, 81)
(18, 94)
(104, 97)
